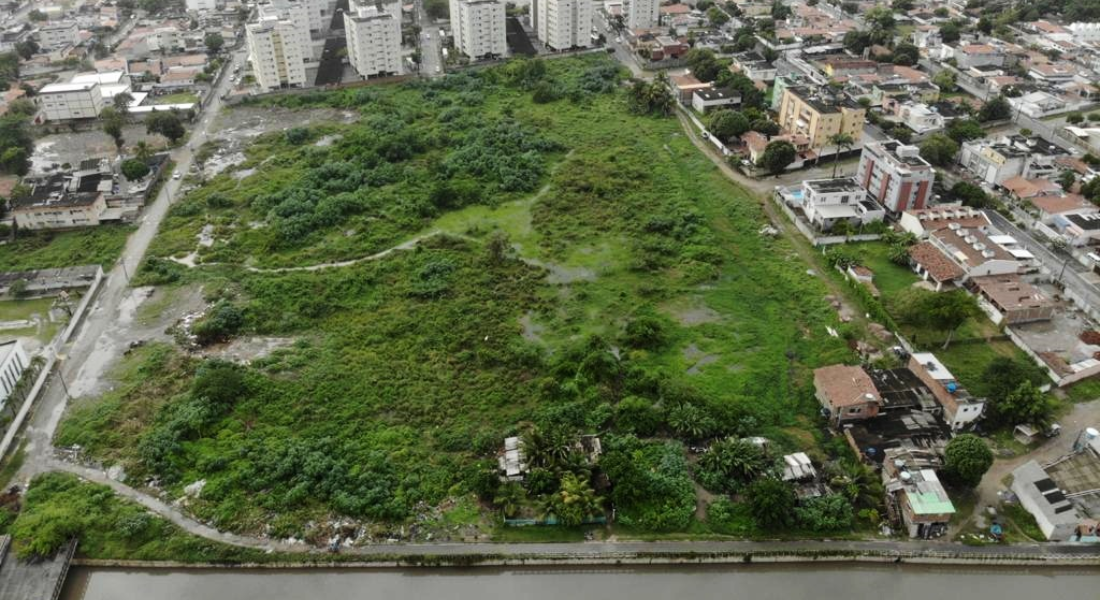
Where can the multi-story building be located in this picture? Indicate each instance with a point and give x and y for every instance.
(820, 115)
(827, 202)
(895, 175)
(56, 202)
(58, 35)
(164, 39)
(277, 46)
(564, 24)
(998, 160)
(202, 5)
(69, 101)
(13, 360)
(374, 39)
(479, 28)
(643, 14)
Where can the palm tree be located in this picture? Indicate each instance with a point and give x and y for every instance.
(574, 502)
(842, 142)
(547, 449)
(510, 498)
(859, 484)
(143, 152)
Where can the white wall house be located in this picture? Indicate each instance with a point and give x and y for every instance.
(374, 39)
(479, 28)
(827, 202)
(69, 101)
(643, 14)
(277, 50)
(564, 24)
(1085, 33)
(13, 360)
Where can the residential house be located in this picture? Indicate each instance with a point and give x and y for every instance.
(685, 86)
(1052, 73)
(933, 265)
(756, 143)
(819, 115)
(977, 253)
(702, 100)
(915, 498)
(1026, 189)
(973, 55)
(1039, 104)
(754, 66)
(51, 206)
(1081, 229)
(846, 393)
(996, 160)
(827, 202)
(1050, 206)
(1009, 300)
(960, 409)
(895, 175)
(179, 77)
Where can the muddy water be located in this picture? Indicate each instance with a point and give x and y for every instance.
(756, 582)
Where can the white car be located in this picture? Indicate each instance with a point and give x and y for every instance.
(177, 175)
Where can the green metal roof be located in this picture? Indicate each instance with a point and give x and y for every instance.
(929, 503)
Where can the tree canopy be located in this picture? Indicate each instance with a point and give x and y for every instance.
(777, 157)
(967, 458)
(939, 150)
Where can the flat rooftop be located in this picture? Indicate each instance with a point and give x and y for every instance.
(829, 186)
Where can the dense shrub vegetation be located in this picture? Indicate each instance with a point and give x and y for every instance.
(602, 228)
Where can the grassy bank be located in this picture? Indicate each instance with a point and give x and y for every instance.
(100, 245)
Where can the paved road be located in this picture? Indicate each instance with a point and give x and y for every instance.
(84, 357)
(431, 45)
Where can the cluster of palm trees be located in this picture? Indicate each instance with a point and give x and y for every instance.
(555, 452)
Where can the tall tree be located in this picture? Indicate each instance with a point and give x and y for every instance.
(966, 459)
(575, 501)
(777, 157)
(113, 122)
(771, 503)
(842, 142)
(122, 101)
(167, 124)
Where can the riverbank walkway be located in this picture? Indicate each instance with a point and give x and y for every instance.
(35, 580)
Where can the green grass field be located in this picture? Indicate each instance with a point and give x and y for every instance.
(407, 372)
(100, 245)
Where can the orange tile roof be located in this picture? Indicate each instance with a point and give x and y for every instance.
(938, 265)
(842, 385)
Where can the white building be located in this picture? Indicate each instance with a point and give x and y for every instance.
(111, 83)
(827, 202)
(13, 360)
(164, 39)
(277, 46)
(374, 39)
(920, 118)
(643, 14)
(202, 5)
(58, 35)
(1085, 33)
(479, 28)
(564, 24)
(69, 101)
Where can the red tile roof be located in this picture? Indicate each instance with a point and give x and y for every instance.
(938, 265)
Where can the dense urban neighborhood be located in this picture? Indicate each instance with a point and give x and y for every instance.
(311, 281)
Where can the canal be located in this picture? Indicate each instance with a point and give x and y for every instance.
(756, 582)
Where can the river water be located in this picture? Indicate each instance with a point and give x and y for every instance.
(755, 582)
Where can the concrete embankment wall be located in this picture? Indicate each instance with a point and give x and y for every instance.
(391, 562)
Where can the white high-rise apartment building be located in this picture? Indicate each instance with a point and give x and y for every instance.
(374, 39)
(201, 5)
(643, 14)
(479, 29)
(318, 14)
(278, 45)
(564, 24)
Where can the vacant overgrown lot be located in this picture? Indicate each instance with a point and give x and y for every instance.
(593, 273)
